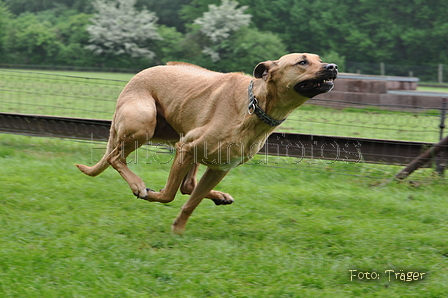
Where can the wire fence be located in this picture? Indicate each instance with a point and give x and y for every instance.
(350, 119)
(432, 73)
(57, 95)
(35, 93)
(79, 97)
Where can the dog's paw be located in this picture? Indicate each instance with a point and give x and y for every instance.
(221, 198)
(143, 194)
(177, 228)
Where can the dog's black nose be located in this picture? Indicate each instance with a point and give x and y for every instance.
(331, 66)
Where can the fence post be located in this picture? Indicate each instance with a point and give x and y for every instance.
(440, 73)
(423, 158)
(442, 117)
(382, 69)
(436, 151)
(440, 165)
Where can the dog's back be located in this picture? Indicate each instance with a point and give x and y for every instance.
(188, 65)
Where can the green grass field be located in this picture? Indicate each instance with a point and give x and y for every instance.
(365, 122)
(443, 88)
(291, 232)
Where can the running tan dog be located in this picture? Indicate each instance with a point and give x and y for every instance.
(215, 119)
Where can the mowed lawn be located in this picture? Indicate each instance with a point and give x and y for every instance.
(290, 233)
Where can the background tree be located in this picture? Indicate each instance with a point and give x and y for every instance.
(19, 6)
(249, 46)
(399, 32)
(389, 31)
(227, 43)
(219, 23)
(195, 9)
(74, 37)
(5, 16)
(168, 11)
(28, 40)
(169, 47)
(118, 29)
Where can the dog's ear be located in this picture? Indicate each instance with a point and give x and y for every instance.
(261, 71)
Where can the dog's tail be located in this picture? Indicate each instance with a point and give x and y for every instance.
(103, 164)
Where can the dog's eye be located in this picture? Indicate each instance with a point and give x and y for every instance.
(303, 62)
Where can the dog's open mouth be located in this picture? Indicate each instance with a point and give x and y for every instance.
(311, 88)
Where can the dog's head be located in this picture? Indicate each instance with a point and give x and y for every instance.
(303, 73)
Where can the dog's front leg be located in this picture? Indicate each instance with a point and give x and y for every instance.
(182, 163)
(209, 180)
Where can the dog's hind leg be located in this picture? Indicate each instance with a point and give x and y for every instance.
(189, 183)
(134, 126)
(117, 159)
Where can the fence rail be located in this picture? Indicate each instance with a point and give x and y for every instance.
(317, 147)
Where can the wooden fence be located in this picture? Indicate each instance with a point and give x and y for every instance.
(320, 147)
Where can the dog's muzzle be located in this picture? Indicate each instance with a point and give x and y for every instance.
(323, 83)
